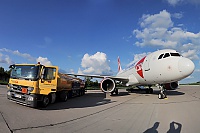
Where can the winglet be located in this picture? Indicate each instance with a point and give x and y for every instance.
(119, 65)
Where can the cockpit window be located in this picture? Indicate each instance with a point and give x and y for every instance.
(166, 55)
(160, 57)
(175, 54)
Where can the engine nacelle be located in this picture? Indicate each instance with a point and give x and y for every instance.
(107, 85)
(171, 86)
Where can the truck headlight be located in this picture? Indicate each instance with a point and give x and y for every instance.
(8, 93)
(30, 98)
(10, 86)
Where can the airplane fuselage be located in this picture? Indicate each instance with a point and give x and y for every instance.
(163, 66)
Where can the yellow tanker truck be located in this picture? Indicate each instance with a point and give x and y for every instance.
(34, 84)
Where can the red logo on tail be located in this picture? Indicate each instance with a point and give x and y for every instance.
(138, 67)
(119, 65)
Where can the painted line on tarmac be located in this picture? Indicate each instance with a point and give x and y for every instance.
(60, 123)
(6, 122)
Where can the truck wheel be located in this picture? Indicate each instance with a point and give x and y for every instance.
(79, 93)
(53, 97)
(63, 96)
(69, 94)
(45, 101)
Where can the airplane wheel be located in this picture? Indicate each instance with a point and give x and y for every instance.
(150, 90)
(147, 91)
(165, 96)
(116, 92)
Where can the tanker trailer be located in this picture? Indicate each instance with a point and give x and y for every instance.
(72, 85)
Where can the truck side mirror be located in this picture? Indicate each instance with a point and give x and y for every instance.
(12, 66)
(42, 76)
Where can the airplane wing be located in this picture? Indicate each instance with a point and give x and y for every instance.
(123, 79)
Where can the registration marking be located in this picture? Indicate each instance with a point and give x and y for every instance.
(18, 96)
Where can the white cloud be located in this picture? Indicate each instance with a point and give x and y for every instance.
(161, 20)
(197, 70)
(80, 71)
(177, 2)
(136, 58)
(190, 77)
(5, 59)
(44, 61)
(191, 54)
(16, 52)
(154, 30)
(159, 30)
(174, 2)
(180, 25)
(95, 64)
(187, 46)
(177, 15)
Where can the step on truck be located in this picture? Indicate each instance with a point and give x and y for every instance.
(36, 84)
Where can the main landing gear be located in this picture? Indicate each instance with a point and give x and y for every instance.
(149, 90)
(162, 94)
(115, 91)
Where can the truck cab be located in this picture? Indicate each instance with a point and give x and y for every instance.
(30, 83)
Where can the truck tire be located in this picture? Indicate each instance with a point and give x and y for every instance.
(63, 96)
(79, 93)
(82, 91)
(45, 101)
(69, 94)
(53, 97)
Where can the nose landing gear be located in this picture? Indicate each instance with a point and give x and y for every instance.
(162, 94)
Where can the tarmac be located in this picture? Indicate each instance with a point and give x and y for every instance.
(96, 112)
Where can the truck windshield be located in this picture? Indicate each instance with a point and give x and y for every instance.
(25, 72)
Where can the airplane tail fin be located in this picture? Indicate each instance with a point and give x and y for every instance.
(119, 65)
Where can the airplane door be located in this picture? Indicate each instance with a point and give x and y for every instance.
(146, 66)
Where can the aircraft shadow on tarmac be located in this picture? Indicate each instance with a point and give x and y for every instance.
(121, 94)
(156, 92)
(88, 100)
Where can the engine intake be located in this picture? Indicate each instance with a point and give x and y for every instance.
(171, 86)
(107, 85)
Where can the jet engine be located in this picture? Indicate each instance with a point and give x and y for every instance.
(171, 86)
(107, 85)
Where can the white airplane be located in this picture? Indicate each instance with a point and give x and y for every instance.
(164, 67)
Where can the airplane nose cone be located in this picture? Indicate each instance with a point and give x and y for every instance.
(186, 67)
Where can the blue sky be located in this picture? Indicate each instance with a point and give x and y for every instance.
(87, 36)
